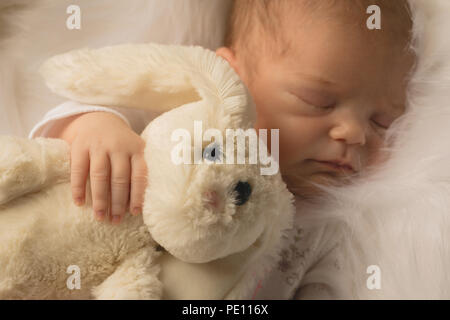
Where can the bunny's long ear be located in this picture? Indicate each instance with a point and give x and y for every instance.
(149, 76)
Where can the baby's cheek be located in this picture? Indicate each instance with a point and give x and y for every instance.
(378, 158)
(375, 154)
(295, 146)
(289, 151)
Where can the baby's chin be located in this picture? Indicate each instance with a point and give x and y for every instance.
(305, 188)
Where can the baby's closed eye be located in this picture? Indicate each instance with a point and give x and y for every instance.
(383, 121)
(315, 98)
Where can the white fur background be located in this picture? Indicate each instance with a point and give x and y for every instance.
(398, 220)
(33, 30)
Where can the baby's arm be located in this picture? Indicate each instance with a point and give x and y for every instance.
(102, 143)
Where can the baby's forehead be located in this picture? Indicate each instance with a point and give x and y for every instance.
(293, 18)
(292, 28)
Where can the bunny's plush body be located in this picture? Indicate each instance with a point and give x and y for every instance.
(209, 228)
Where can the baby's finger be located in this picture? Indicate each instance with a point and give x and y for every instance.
(79, 168)
(120, 185)
(100, 179)
(138, 183)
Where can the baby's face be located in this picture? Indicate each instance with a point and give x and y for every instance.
(332, 97)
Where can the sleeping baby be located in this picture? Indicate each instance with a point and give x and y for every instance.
(316, 72)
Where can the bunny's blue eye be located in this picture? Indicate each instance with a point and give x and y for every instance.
(213, 152)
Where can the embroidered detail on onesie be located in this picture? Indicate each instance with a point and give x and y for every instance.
(294, 259)
(293, 253)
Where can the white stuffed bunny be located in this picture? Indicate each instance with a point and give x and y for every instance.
(220, 225)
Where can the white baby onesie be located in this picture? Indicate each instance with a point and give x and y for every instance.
(311, 264)
(310, 267)
(137, 119)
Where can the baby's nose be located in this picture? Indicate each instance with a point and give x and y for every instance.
(352, 133)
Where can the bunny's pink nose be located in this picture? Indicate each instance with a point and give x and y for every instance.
(211, 198)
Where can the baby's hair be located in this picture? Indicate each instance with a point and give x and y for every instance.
(254, 25)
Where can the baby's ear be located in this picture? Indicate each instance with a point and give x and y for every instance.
(229, 55)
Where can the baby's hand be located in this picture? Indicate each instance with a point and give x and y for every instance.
(103, 144)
